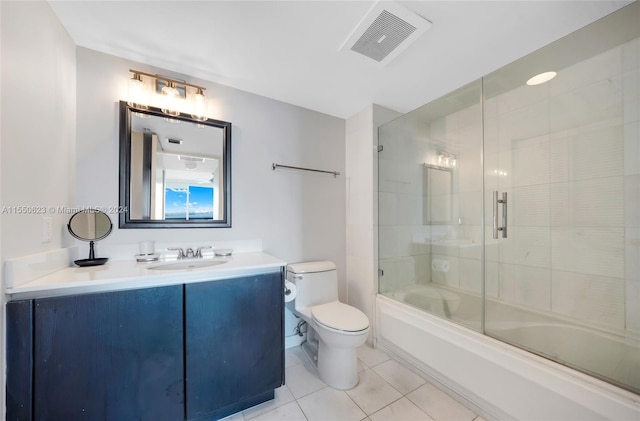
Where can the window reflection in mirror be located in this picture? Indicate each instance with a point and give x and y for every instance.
(177, 170)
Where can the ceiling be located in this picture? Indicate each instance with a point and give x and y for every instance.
(288, 50)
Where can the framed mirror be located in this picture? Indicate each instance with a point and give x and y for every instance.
(439, 195)
(175, 172)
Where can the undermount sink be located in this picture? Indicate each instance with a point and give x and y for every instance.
(187, 264)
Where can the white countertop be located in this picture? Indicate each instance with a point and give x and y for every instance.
(128, 274)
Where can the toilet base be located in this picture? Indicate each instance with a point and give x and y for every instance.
(338, 367)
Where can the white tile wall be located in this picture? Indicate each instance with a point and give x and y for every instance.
(526, 285)
(589, 297)
(568, 154)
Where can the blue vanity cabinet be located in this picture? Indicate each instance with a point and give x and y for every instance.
(110, 356)
(19, 360)
(234, 344)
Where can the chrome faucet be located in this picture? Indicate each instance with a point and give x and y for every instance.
(199, 251)
(189, 253)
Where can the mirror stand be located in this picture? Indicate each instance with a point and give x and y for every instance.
(90, 225)
(91, 261)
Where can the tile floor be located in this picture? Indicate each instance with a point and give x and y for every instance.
(387, 391)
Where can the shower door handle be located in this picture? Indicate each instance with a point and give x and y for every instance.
(497, 201)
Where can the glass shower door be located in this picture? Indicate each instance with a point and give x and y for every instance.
(430, 207)
(562, 190)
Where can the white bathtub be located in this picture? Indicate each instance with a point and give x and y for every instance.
(498, 380)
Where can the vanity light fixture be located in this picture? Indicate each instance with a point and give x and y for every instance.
(172, 95)
(541, 78)
(446, 160)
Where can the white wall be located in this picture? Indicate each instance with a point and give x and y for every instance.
(362, 219)
(38, 131)
(298, 216)
(37, 135)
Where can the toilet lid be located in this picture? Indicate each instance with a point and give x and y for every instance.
(340, 316)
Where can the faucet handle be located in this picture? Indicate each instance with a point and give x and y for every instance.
(179, 250)
(199, 250)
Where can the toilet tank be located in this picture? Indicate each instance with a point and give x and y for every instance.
(316, 282)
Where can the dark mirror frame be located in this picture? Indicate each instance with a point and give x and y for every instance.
(125, 220)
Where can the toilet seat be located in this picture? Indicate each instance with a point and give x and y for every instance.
(340, 317)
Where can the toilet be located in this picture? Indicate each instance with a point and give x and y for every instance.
(335, 330)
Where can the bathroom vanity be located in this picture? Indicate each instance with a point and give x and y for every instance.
(144, 344)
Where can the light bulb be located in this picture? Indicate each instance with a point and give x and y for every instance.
(138, 93)
(199, 105)
(170, 98)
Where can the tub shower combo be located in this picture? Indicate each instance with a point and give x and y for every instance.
(509, 231)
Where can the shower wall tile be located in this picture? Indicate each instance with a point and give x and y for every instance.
(386, 175)
(471, 245)
(530, 205)
(387, 243)
(524, 123)
(597, 202)
(492, 279)
(631, 55)
(387, 283)
(598, 153)
(406, 272)
(631, 204)
(529, 246)
(469, 171)
(598, 68)
(404, 243)
(560, 165)
(386, 208)
(526, 285)
(470, 272)
(586, 105)
(631, 96)
(423, 269)
(632, 148)
(632, 295)
(445, 247)
(409, 209)
(420, 240)
(445, 129)
(590, 298)
(490, 109)
(561, 205)
(531, 161)
(470, 117)
(470, 207)
(632, 255)
(592, 251)
(492, 246)
(521, 97)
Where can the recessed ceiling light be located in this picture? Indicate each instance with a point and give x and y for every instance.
(541, 78)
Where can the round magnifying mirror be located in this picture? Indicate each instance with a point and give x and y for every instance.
(90, 225)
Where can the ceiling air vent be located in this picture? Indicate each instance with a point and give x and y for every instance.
(386, 30)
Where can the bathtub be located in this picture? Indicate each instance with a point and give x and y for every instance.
(495, 379)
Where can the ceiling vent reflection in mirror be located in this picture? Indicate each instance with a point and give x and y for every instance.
(385, 31)
(174, 96)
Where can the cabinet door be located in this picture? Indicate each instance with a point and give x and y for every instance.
(234, 344)
(19, 360)
(110, 356)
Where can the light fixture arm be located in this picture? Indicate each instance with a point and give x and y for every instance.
(167, 79)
